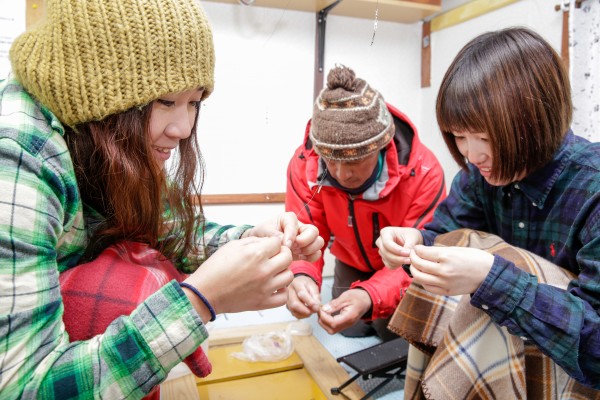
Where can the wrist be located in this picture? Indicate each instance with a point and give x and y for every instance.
(367, 303)
(200, 303)
(306, 275)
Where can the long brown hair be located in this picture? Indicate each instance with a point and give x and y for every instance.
(512, 85)
(119, 178)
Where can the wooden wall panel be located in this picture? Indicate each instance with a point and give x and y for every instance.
(426, 54)
(34, 12)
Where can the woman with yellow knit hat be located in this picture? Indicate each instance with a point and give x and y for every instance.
(100, 95)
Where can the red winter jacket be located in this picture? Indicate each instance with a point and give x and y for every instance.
(407, 192)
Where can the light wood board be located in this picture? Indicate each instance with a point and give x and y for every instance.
(318, 362)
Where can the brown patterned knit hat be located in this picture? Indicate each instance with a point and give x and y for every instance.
(93, 58)
(350, 118)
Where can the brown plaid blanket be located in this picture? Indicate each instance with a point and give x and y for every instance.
(458, 352)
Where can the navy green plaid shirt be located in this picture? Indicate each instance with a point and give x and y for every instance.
(42, 233)
(554, 213)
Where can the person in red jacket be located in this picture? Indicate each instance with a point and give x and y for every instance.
(361, 168)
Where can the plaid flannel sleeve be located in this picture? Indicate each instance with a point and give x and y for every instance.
(212, 237)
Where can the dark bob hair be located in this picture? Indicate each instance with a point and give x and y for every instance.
(512, 85)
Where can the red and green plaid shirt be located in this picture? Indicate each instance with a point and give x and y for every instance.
(42, 233)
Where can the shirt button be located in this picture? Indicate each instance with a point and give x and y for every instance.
(524, 338)
(485, 307)
(521, 225)
(517, 186)
(534, 204)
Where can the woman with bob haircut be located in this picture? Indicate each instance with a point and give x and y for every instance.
(504, 109)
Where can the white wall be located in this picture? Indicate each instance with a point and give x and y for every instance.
(12, 23)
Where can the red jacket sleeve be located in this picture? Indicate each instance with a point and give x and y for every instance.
(386, 288)
(432, 190)
(306, 204)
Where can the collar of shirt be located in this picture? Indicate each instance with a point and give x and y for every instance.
(537, 185)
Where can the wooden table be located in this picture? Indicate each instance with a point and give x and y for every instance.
(319, 363)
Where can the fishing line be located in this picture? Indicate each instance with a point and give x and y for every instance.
(319, 185)
(278, 22)
(340, 287)
(375, 22)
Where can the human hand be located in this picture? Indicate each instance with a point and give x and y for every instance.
(308, 243)
(344, 311)
(450, 271)
(303, 297)
(244, 275)
(395, 245)
(302, 239)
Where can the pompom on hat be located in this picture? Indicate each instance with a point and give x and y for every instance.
(92, 58)
(350, 119)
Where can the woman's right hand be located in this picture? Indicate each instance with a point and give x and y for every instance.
(396, 243)
(243, 275)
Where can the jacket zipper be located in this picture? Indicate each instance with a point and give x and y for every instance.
(353, 225)
(376, 230)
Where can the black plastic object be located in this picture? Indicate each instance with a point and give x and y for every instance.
(385, 360)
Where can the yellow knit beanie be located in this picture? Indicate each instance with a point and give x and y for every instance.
(93, 58)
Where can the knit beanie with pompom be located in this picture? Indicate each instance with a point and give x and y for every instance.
(92, 58)
(350, 118)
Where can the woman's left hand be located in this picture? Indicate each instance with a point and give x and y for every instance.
(302, 239)
(450, 271)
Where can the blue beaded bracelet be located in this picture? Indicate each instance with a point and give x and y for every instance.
(213, 315)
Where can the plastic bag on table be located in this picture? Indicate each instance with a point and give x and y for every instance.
(271, 346)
